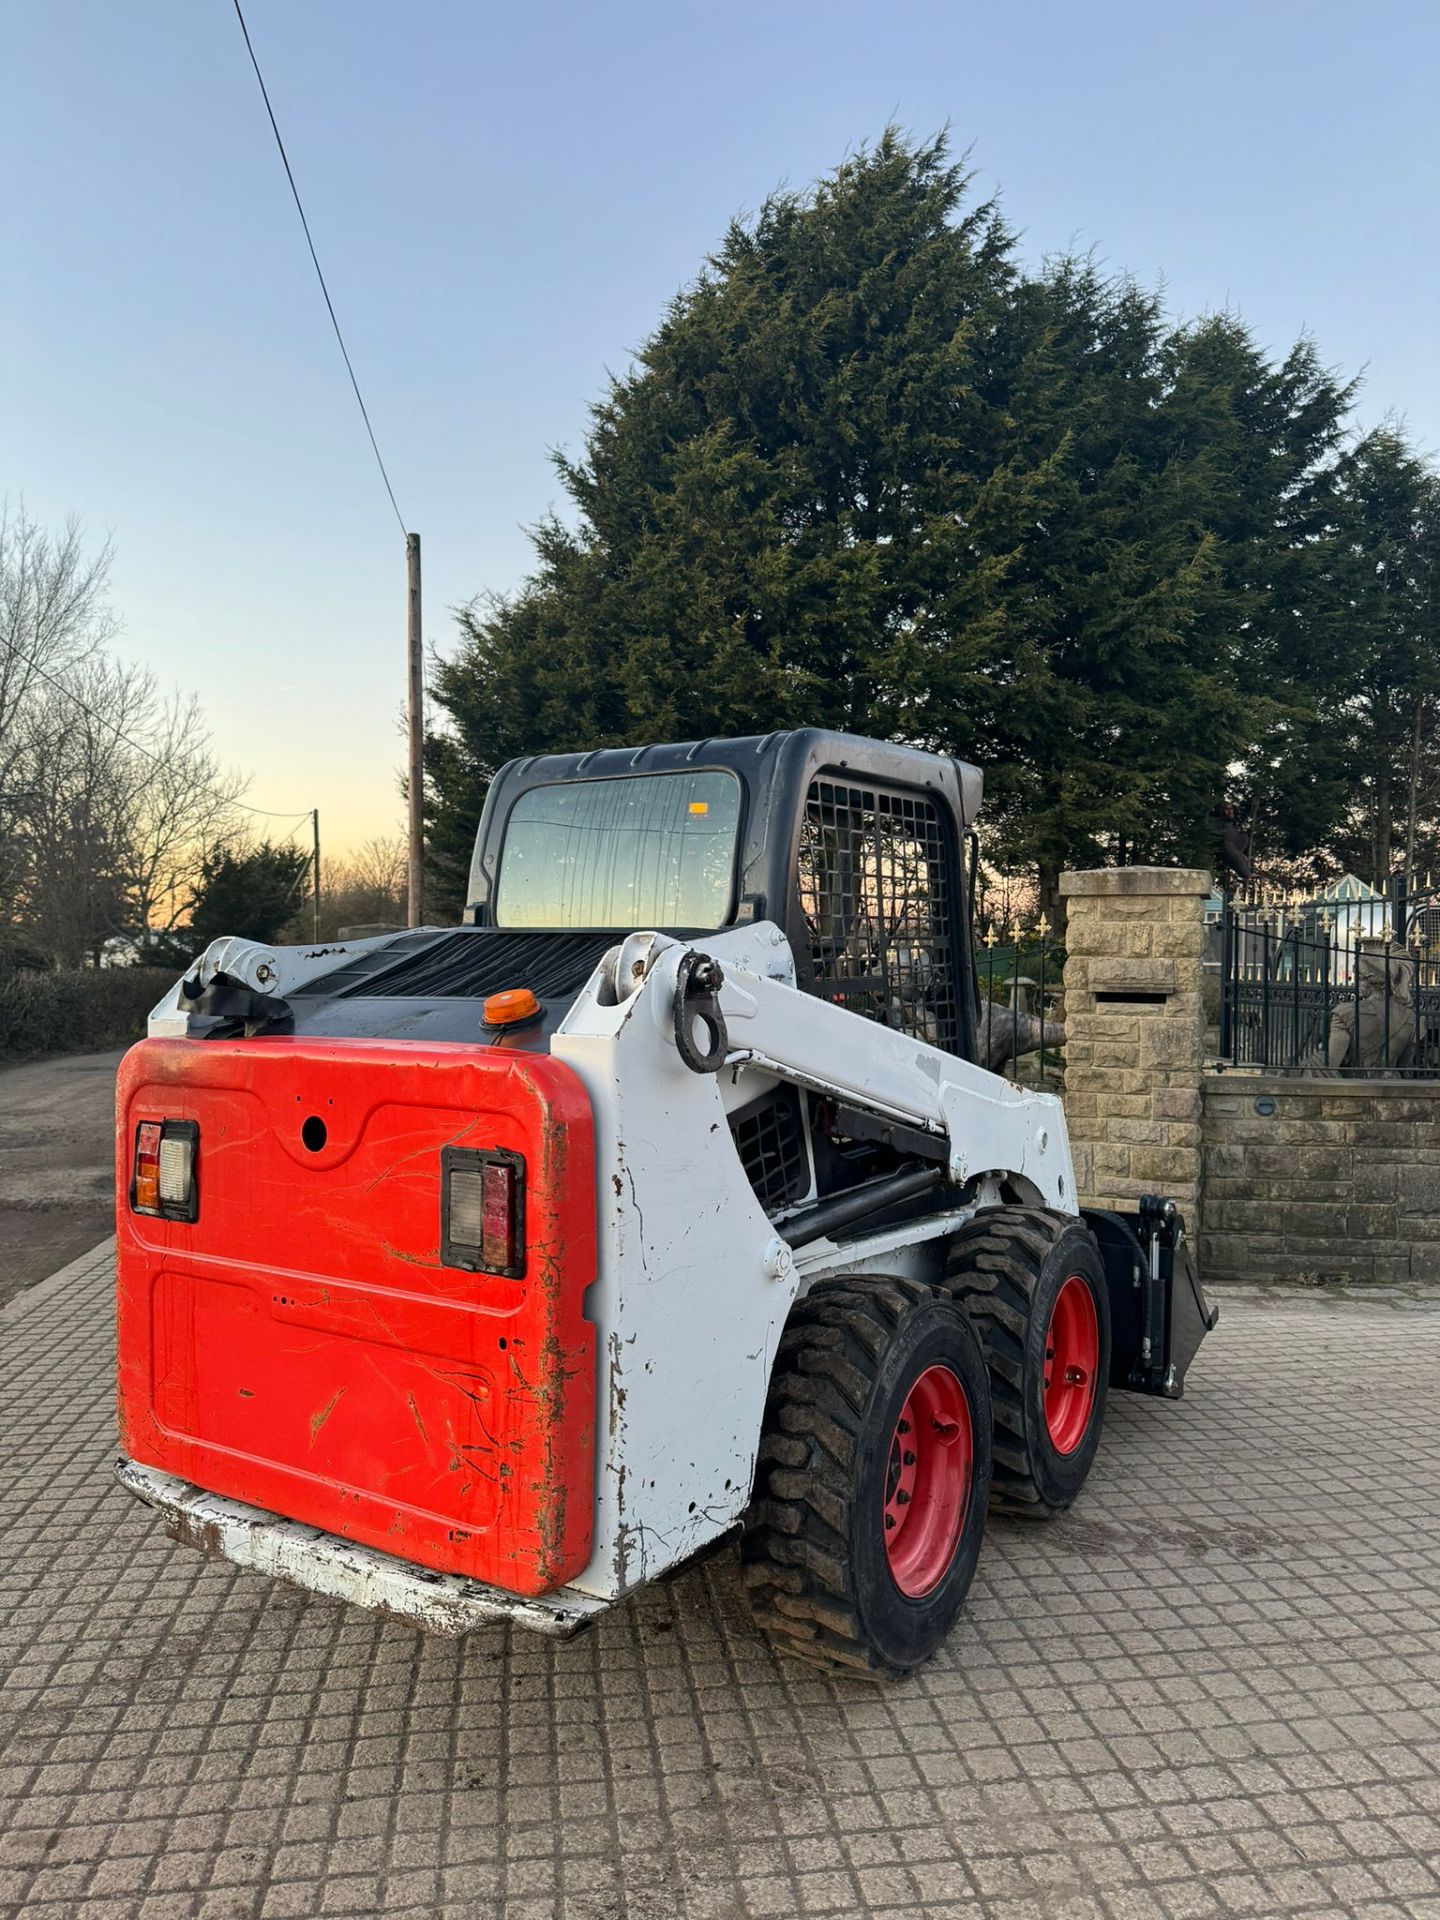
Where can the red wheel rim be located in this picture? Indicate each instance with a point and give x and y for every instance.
(1072, 1362)
(927, 1482)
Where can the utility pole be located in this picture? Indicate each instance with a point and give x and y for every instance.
(416, 730)
(315, 923)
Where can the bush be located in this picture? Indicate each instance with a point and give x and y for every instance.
(76, 1012)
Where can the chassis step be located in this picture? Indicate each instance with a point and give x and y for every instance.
(440, 1603)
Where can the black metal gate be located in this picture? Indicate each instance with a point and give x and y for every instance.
(1351, 989)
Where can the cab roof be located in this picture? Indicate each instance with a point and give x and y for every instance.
(775, 769)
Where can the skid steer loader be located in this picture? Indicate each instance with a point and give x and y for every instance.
(485, 1273)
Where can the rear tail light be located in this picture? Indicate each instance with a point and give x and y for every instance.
(482, 1211)
(162, 1180)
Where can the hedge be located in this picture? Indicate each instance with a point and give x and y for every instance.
(78, 1012)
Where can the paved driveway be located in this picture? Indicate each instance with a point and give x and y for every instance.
(1214, 1689)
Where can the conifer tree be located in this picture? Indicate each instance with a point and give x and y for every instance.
(869, 474)
(1376, 677)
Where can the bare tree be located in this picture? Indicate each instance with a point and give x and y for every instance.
(53, 618)
(178, 802)
(378, 869)
(53, 613)
(364, 888)
(69, 816)
(117, 793)
(110, 790)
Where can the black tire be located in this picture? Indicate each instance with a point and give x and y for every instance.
(814, 1550)
(1007, 1268)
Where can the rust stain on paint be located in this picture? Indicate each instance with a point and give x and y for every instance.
(317, 1420)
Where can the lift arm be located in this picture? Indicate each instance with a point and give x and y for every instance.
(745, 1012)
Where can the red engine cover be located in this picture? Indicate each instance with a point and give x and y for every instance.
(300, 1346)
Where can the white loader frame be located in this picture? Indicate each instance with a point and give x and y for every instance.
(695, 1282)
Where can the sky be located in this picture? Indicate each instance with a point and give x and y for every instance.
(504, 197)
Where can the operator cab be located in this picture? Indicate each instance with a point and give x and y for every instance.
(852, 846)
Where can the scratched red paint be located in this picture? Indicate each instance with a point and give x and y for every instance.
(300, 1347)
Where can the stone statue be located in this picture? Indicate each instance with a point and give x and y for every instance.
(1006, 1033)
(1357, 1037)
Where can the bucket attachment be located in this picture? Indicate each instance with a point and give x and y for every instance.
(1159, 1312)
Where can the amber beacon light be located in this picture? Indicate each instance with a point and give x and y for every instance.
(508, 1009)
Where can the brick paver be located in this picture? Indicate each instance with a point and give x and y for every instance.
(1213, 1689)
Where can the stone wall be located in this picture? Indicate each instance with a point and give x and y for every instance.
(1320, 1179)
(1134, 1032)
(1288, 1177)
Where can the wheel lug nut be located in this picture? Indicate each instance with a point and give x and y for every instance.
(904, 1427)
(902, 1499)
(889, 1521)
(909, 1459)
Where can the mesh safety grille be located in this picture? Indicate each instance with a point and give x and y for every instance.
(772, 1149)
(874, 878)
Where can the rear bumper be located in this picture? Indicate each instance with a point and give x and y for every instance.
(441, 1603)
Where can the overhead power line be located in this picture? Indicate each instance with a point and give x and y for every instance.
(315, 258)
(265, 813)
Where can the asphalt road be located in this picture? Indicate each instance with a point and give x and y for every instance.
(57, 1147)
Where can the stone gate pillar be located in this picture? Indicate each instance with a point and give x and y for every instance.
(1135, 1033)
